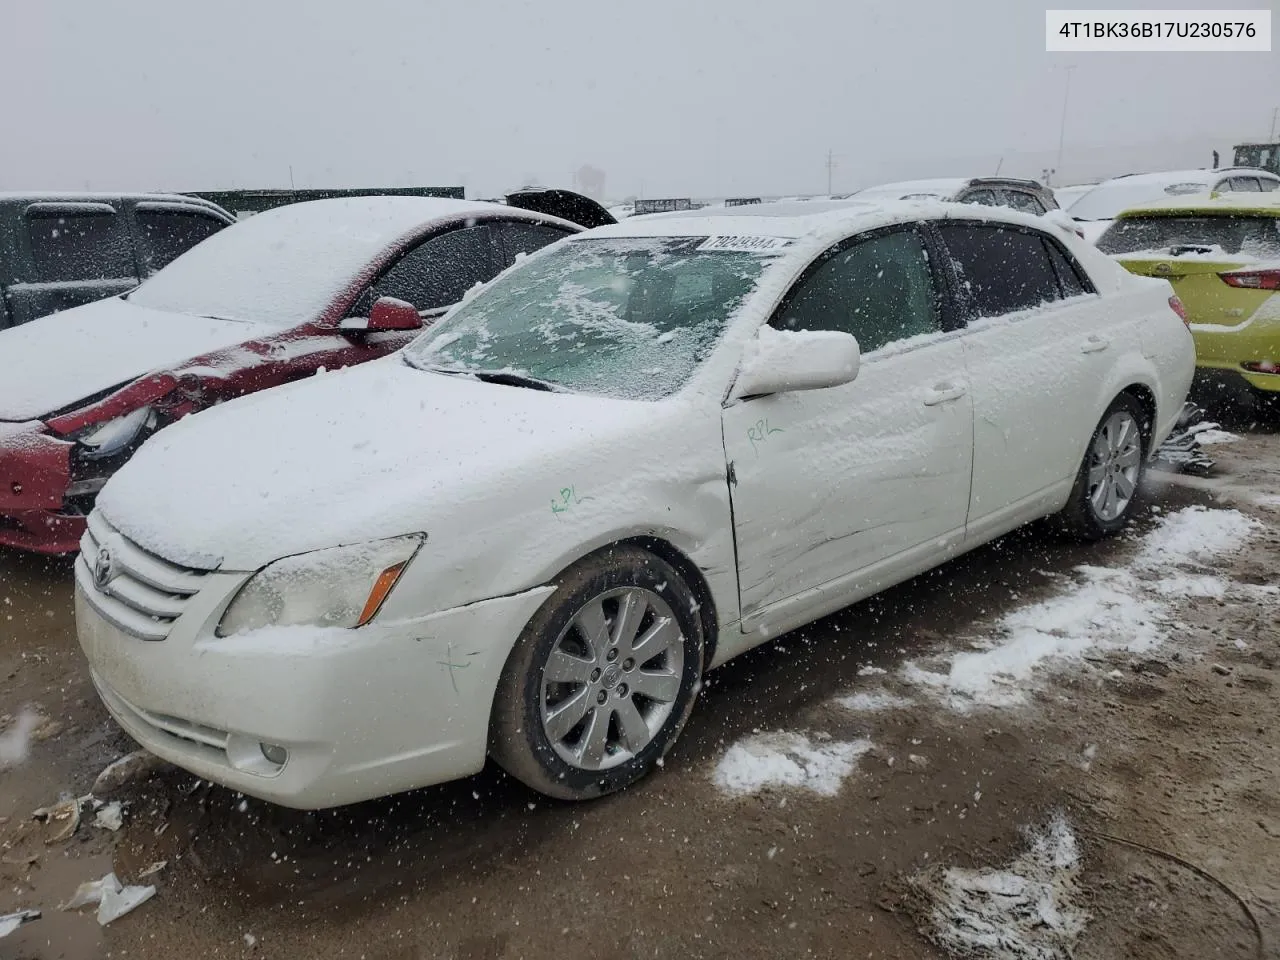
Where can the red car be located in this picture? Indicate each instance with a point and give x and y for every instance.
(273, 298)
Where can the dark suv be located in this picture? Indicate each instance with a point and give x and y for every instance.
(1029, 196)
(63, 250)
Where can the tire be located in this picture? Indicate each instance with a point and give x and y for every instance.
(1115, 461)
(572, 716)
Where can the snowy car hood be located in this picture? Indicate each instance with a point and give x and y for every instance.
(50, 363)
(374, 451)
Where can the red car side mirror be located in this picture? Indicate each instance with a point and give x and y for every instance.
(387, 314)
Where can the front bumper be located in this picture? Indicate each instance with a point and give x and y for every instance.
(35, 474)
(362, 713)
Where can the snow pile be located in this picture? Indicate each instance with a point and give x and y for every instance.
(1027, 911)
(1105, 609)
(787, 760)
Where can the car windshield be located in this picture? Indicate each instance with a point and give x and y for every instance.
(1105, 201)
(1245, 235)
(629, 318)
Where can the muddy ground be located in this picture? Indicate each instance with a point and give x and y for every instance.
(1187, 762)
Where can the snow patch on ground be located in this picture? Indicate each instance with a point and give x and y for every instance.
(873, 701)
(787, 760)
(1030, 910)
(1105, 609)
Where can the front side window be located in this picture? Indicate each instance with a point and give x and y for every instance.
(165, 235)
(1001, 269)
(880, 290)
(436, 273)
(71, 246)
(1247, 235)
(516, 238)
(987, 198)
(630, 318)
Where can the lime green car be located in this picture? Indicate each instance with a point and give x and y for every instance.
(1222, 255)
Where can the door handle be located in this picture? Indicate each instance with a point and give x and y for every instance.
(942, 393)
(1095, 343)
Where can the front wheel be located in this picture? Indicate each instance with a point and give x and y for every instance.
(1106, 487)
(602, 679)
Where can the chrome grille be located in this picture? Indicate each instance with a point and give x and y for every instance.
(135, 591)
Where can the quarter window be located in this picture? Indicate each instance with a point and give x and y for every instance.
(880, 290)
(1000, 269)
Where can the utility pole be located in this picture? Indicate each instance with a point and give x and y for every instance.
(1275, 115)
(291, 176)
(831, 166)
(1062, 127)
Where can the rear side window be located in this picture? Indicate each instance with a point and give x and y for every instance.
(1268, 185)
(984, 197)
(1070, 277)
(438, 272)
(1254, 236)
(1025, 202)
(513, 239)
(1000, 269)
(67, 244)
(164, 235)
(1243, 185)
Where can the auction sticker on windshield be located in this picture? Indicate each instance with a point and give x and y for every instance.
(743, 244)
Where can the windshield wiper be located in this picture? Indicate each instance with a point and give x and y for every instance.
(509, 378)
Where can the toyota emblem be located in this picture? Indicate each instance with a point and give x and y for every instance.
(103, 565)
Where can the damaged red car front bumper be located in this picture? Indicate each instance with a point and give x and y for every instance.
(35, 474)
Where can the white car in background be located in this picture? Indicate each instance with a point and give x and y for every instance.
(1066, 196)
(633, 456)
(1096, 209)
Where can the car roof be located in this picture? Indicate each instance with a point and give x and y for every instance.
(99, 196)
(1206, 174)
(392, 216)
(941, 185)
(812, 219)
(1264, 204)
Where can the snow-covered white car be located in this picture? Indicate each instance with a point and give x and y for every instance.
(639, 453)
(1096, 209)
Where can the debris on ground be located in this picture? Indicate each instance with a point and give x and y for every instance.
(1030, 910)
(128, 769)
(65, 812)
(110, 817)
(1182, 450)
(10, 922)
(787, 760)
(113, 899)
(153, 869)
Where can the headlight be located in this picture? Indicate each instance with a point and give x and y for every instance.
(109, 438)
(337, 587)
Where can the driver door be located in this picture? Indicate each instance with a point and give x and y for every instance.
(839, 492)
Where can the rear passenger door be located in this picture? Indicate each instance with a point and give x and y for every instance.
(1038, 349)
(75, 253)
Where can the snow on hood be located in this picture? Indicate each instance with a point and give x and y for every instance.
(375, 451)
(50, 363)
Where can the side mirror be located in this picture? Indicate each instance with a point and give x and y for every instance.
(387, 314)
(778, 361)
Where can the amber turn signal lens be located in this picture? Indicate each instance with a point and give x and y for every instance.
(381, 587)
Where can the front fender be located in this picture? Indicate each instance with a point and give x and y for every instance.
(35, 468)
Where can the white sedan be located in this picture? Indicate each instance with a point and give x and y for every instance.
(635, 455)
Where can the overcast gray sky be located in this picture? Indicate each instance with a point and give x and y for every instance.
(672, 97)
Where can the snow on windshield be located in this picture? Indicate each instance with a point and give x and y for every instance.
(1248, 235)
(629, 318)
(1105, 201)
(284, 267)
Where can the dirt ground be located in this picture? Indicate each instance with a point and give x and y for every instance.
(1180, 748)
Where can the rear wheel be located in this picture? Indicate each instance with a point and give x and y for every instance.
(602, 678)
(1106, 487)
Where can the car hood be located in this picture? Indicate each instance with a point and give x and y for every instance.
(51, 363)
(361, 454)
